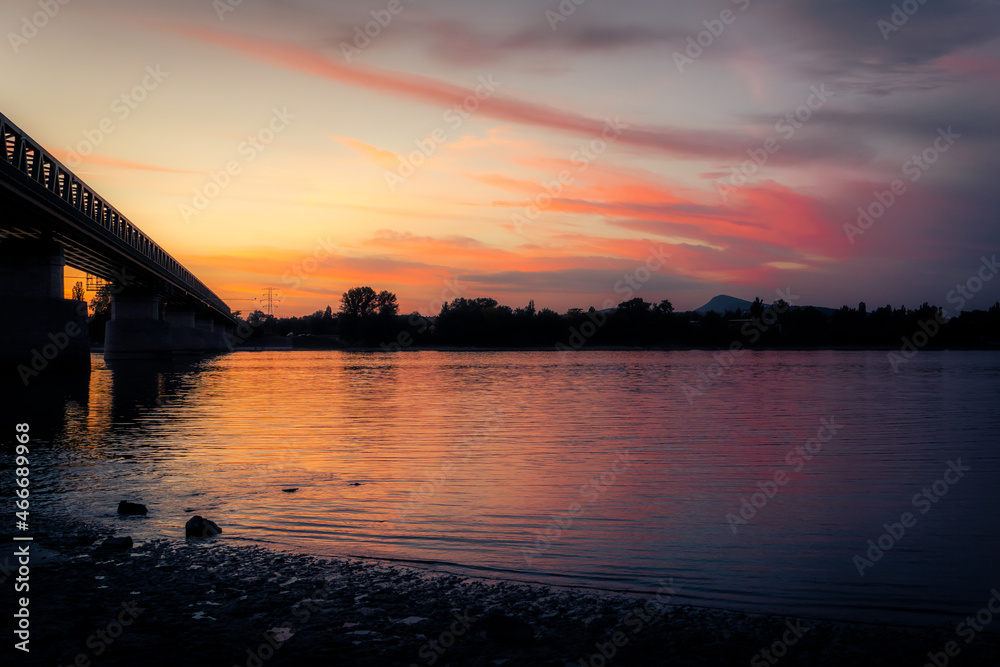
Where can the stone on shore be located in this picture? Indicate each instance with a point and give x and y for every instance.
(125, 507)
(118, 543)
(200, 527)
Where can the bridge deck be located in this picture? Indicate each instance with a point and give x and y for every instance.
(40, 197)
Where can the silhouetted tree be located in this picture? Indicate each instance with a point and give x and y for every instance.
(368, 316)
(358, 302)
(100, 307)
(101, 303)
(635, 305)
(385, 304)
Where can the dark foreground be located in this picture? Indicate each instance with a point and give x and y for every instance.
(187, 603)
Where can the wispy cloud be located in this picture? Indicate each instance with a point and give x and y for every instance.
(684, 142)
(380, 157)
(106, 161)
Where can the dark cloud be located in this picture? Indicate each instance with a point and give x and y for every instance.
(459, 43)
(846, 41)
(589, 281)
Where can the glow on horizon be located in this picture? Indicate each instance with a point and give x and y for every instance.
(309, 208)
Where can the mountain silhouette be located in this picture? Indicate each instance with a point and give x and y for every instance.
(724, 302)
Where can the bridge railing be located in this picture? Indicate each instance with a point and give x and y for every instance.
(28, 157)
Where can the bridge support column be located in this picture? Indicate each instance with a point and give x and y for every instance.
(205, 323)
(44, 331)
(216, 336)
(179, 316)
(135, 330)
(192, 333)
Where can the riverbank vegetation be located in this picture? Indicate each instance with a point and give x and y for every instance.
(367, 318)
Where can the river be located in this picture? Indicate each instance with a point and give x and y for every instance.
(616, 470)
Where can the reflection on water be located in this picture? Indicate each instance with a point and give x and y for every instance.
(595, 469)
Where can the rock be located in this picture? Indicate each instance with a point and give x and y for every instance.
(199, 527)
(507, 629)
(125, 507)
(120, 543)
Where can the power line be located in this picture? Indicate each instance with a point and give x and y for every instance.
(270, 299)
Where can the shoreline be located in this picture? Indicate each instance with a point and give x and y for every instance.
(604, 348)
(206, 602)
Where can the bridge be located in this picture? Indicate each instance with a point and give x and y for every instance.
(50, 218)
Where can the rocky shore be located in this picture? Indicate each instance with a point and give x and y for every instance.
(204, 602)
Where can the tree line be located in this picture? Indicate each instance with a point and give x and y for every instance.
(367, 318)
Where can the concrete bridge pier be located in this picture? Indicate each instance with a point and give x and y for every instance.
(136, 329)
(193, 333)
(214, 334)
(44, 332)
(142, 327)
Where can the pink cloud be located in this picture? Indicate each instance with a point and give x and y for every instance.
(674, 141)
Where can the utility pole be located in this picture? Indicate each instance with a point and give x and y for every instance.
(269, 299)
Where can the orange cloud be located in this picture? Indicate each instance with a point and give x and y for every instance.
(381, 158)
(675, 141)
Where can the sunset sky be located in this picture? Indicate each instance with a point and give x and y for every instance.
(321, 128)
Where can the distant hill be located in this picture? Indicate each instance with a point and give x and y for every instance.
(724, 302)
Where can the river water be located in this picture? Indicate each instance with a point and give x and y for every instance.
(615, 470)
